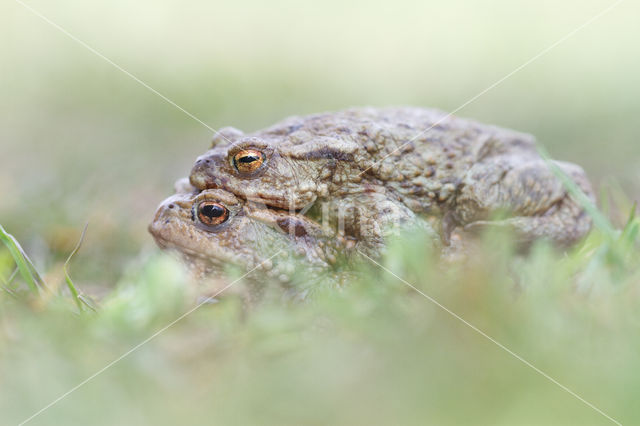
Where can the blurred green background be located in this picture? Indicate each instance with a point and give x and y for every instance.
(82, 141)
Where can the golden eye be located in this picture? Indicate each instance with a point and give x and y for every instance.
(248, 160)
(212, 213)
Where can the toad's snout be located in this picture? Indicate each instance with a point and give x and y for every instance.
(158, 226)
(169, 211)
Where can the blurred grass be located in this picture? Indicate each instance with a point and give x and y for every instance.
(375, 352)
(22, 262)
(83, 142)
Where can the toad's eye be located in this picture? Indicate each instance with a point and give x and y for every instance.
(248, 160)
(211, 213)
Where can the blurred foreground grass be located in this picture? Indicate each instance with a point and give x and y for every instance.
(81, 141)
(375, 352)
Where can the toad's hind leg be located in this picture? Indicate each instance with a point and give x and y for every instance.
(537, 200)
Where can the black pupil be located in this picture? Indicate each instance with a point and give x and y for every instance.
(248, 159)
(212, 210)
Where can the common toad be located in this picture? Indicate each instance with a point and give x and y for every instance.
(213, 229)
(389, 165)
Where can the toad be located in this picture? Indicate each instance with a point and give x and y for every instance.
(371, 168)
(213, 229)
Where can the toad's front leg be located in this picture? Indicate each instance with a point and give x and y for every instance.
(536, 199)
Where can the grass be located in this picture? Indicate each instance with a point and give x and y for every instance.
(23, 263)
(81, 300)
(374, 352)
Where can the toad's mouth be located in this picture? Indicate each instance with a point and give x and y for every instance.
(301, 210)
(280, 201)
(275, 202)
(172, 245)
(191, 254)
(168, 244)
(271, 204)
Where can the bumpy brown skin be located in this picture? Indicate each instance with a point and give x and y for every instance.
(421, 161)
(249, 238)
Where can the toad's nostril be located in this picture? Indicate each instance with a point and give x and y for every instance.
(201, 164)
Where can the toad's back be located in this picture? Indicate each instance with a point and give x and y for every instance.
(419, 154)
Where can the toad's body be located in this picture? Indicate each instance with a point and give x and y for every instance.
(386, 166)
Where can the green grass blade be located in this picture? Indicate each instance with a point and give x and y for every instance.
(605, 201)
(77, 298)
(599, 220)
(88, 302)
(25, 266)
(13, 275)
(6, 284)
(632, 215)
